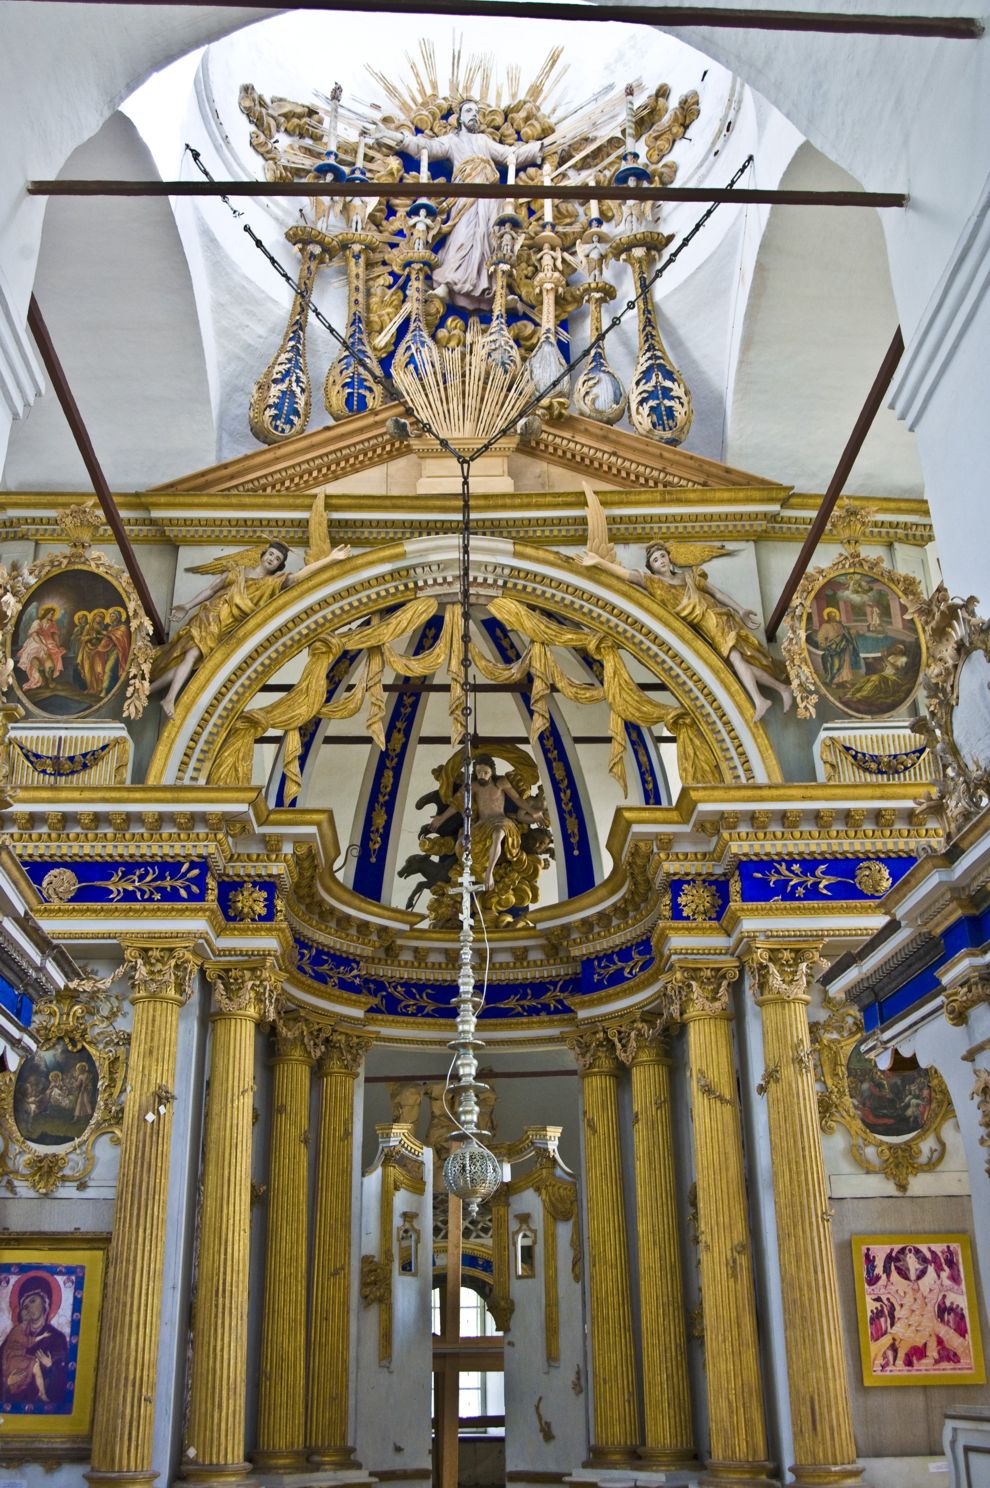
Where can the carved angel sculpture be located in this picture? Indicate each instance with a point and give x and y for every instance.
(674, 576)
(244, 582)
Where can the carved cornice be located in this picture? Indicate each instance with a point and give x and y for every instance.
(784, 973)
(245, 989)
(962, 997)
(160, 971)
(700, 989)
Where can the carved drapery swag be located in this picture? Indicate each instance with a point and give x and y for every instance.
(307, 700)
(696, 759)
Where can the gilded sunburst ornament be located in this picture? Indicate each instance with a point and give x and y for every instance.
(698, 900)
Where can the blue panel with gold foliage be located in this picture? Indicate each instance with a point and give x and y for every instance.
(120, 883)
(613, 968)
(785, 880)
(328, 968)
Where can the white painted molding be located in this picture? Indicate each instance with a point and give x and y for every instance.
(946, 317)
(21, 378)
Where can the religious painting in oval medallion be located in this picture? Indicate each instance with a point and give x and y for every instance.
(71, 644)
(864, 648)
(55, 1095)
(893, 1103)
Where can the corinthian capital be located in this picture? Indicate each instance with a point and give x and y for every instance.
(296, 1035)
(246, 988)
(160, 971)
(701, 989)
(343, 1052)
(638, 1041)
(783, 973)
(594, 1051)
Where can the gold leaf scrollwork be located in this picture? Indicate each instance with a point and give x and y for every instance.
(897, 1159)
(82, 1019)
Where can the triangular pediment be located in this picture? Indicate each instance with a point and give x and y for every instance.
(326, 459)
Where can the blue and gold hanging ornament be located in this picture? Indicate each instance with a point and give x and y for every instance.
(282, 397)
(500, 347)
(546, 364)
(415, 257)
(598, 393)
(352, 384)
(659, 401)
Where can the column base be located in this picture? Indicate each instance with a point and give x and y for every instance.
(849, 1475)
(101, 1478)
(215, 1474)
(333, 1457)
(617, 1456)
(281, 1462)
(738, 1475)
(669, 1459)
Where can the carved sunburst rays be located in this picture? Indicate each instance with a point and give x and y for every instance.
(472, 76)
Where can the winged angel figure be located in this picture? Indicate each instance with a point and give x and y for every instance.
(675, 578)
(244, 581)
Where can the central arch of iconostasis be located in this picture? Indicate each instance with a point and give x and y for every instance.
(368, 641)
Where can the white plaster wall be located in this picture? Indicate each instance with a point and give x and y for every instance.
(528, 1376)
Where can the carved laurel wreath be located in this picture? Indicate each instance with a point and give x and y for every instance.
(83, 1016)
(897, 1159)
(80, 525)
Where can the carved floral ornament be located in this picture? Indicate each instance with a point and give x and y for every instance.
(957, 679)
(73, 632)
(62, 1099)
(962, 997)
(894, 1121)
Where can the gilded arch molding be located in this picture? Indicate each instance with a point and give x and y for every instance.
(328, 602)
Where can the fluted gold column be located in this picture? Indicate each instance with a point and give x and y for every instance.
(613, 1367)
(243, 995)
(668, 1429)
(329, 1351)
(824, 1446)
(732, 1360)
(282, 1388)
(124, 1414)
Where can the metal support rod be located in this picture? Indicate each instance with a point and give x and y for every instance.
(846, 461)
(470, 191)
(957, 28)
(84, 445)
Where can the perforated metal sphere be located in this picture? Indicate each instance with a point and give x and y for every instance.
(472, 1175)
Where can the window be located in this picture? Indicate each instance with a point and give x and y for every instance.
(479, 1394)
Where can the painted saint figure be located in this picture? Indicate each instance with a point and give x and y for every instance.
(34, 1355)
(41, 654)
(462, 276)
(839, 648)
(234, 595)
(683, 587)
(492, 830)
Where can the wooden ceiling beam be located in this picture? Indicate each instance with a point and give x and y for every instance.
(84, 444)
(666, 17)
(469, 190)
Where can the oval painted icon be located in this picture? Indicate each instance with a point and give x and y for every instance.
(71, 644)
(866, 651)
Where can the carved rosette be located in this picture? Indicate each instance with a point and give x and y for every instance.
(248, 989)
(964, 996)
(165, 972)
(784, 973)
(701, 989)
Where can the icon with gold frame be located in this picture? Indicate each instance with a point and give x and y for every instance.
(918, 1315)
(51, 1295)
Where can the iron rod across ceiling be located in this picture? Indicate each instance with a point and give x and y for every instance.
(953, 28)
(472, 190)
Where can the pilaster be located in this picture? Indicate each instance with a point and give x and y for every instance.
(824, 1447)
(699, 991)
(282, 1388)
(161, 976)
(328, 1400)
(668, 1430)
(616, 1425)
(244, 995)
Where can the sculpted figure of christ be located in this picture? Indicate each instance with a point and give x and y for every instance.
(462, 276)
